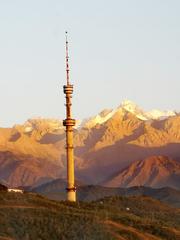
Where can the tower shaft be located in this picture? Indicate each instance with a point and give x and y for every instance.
(69, 123)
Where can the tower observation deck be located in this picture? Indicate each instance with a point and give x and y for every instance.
(69, 123)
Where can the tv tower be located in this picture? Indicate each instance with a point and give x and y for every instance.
(69, 123)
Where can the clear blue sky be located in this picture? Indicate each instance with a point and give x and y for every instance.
(119, 49)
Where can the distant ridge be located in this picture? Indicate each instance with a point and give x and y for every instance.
(56, 190)
(155, 171)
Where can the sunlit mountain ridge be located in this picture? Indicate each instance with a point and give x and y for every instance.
(34, 152)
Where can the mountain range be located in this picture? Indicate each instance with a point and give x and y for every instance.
(123, 147)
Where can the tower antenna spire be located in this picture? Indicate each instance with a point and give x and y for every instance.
(67, 59)
(69, 123)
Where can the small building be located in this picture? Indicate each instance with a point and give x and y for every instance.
(16, 190)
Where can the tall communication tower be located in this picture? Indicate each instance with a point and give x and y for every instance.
(69, 123)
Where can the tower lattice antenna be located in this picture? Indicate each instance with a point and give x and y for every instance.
(67, 59)
(69, 123)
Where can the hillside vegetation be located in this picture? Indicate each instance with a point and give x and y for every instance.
(31, 216)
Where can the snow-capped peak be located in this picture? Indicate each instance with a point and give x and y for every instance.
(150, 115)
(134, 109)
(128, 106)
(98, 119)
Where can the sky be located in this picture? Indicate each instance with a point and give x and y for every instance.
(118, 50)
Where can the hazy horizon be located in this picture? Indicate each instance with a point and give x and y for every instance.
(128, 50)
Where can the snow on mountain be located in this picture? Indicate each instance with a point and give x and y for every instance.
(156, 114)
(98, 119)
(134, 109)
(28, 129)
(39, 124)
(150, 115)
(128, 106)
(102, 117)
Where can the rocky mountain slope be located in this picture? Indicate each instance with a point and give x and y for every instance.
(155, 171)
(34, 153)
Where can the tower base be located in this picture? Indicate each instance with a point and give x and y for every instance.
(71, 196)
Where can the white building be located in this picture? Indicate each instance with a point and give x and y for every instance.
(15, 190)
